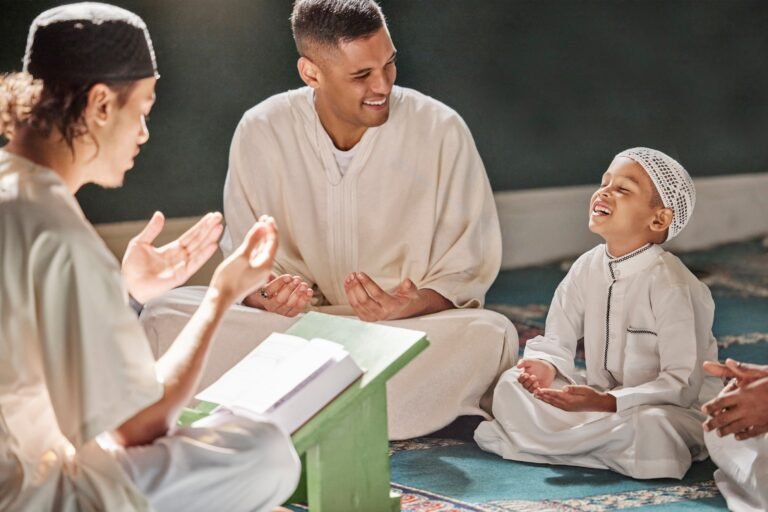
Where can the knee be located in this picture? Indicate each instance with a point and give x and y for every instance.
(164, 317)
(668, 428)
(651, 420)
(493, 322)
(276, 447)
(498, 322)
(272, 457)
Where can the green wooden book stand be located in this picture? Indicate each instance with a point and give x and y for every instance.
(344, 447)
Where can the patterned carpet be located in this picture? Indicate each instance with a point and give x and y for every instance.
(448, 472)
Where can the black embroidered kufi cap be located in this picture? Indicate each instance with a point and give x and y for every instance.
(89, 42)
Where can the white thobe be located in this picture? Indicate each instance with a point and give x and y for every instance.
(414, 202)
(742, 474)
(646, 322)
(75, 363)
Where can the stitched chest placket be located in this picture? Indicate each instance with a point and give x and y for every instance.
(608, 322)
(614, 278)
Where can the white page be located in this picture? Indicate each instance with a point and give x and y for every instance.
(254, 370)
(316, 350)
(304, 402)
(276, 368)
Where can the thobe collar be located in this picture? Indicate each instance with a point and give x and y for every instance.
(629, 264)
(55, 184)
(323, 143)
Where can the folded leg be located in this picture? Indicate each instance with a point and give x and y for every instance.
(644, 442)
(223, 462)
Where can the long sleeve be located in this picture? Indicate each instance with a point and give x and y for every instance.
(239, 212)
(248, 177)
(465, 255)
(564, 326)
(98, 365)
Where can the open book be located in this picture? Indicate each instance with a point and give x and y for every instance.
(285, 378)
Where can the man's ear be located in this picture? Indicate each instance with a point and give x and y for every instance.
(100, 105)
(662, 220)
(309, 72)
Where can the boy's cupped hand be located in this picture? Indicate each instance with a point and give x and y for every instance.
(574, 398)
(536, 374)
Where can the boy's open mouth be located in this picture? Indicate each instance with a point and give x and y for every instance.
(600, 209)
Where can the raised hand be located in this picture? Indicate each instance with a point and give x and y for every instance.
(285, 295)
(150, 271)
(249, 266)
(577, 398)
(536, 374)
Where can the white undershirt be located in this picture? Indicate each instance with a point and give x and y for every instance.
(344, 158)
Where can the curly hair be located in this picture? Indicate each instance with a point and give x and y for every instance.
(19, 92)
(43, 106)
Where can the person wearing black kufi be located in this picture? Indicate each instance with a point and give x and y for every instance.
(86, 414)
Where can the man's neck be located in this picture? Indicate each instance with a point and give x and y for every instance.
(48, 151)
(343, 135)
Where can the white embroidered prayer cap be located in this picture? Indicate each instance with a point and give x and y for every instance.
(673, 182)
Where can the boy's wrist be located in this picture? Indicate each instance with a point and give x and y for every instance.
(608, 402)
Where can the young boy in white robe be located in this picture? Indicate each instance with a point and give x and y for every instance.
(646, 323)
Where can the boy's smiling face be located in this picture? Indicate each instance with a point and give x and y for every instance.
(626, 210)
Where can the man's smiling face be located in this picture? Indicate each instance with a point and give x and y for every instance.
(354, 83)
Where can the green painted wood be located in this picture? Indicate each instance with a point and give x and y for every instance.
(344, 447)
(191, 415)
(380, 350)
(300, 494)
(348, 466)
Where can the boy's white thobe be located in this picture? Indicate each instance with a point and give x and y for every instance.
(414, 202)
(646, 323)
(75, 363)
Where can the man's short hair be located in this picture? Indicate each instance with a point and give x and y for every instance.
(326, 23)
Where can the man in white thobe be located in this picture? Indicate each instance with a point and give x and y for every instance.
(646, 323)
(86, 413)
(386, 213)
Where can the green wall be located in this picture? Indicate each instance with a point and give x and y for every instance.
(551, 89)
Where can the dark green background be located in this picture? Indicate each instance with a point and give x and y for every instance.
(551, 89)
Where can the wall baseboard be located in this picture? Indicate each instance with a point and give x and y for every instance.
(544, 225)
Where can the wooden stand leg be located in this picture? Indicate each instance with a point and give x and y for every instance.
(300, 494)
(348, 469)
